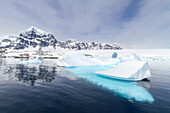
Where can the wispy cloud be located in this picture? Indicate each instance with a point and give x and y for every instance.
(131, 23)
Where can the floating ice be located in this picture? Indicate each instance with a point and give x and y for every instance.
(114, 55)
(32, 61)
(128, 90)
(129, 58)
(107, 59)
(79, 59)
(76, 59)
(129, 70)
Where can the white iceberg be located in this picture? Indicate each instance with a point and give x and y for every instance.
(130, 70)
(130, 57)
(76, 59)
(106, 60)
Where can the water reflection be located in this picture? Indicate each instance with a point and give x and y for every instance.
(28, 74)
(12, 69)
(130, 90)
(31, 75)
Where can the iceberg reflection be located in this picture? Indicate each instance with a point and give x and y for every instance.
(126, 89)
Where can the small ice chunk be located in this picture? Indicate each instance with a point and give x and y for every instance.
(114, 55)
(130, 70)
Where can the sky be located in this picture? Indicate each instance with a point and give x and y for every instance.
(129, 23)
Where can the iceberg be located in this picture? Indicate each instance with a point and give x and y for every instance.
(107, 59)
(76, 59)
(131, 57)
(129, 70)
(114, 55)
(126, 89)
(79, 59)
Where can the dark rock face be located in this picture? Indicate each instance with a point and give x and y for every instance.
(72, 44)
(34, 37)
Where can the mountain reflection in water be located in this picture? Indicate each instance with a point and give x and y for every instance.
(30, 75)
(26, 73)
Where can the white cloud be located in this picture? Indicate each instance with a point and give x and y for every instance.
(96, 20)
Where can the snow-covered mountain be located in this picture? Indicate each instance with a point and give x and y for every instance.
(74, 45)
(35, 37)
(7, 41)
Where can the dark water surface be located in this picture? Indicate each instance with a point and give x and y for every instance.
(52, 89)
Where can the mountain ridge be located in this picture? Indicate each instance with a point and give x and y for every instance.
(36, 37)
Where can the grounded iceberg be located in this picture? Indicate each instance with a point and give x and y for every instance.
(129, 70)
(126, 89)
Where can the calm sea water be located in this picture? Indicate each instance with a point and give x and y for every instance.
(47, 88)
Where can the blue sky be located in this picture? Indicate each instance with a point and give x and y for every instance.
(129, 23)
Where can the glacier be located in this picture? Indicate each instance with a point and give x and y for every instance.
(125, 89)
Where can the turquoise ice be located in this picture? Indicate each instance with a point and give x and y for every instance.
(126, 89)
